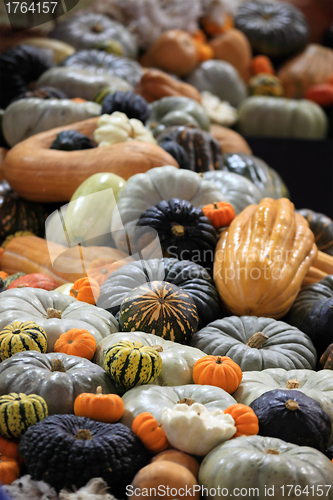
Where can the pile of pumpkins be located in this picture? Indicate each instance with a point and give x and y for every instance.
(166, 313)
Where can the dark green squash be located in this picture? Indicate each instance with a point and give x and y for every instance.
(133, 105)
(20, 66)
(162, 309)
(66, 451)
(177, 151)
(42, 93)
(322, 228)
(292, 416)
(274, 29)
(71, 140)
(326, 360)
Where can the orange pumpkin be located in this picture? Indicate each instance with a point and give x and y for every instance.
(78, 99)
(220, 214)
(180, 458)
(3, 275)
(262, 64)
(35, 280)
(76, 342)
(101, 268)
(9, 447)
(9, 469)
(321, 94)
(214, 29)
(246, 421)
(149, 432)
(205, 52)
(85, 290)
(234, 47)
(219, 371)
(101, 407)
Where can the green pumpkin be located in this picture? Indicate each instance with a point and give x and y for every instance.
(130, 363)
(322, 228)
(19, 411)
(162, 309)
(22, 336)
(264, 84)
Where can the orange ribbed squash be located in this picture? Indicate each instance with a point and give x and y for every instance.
(246, 421)
(220, 371)
(150, 432)
(262, 258)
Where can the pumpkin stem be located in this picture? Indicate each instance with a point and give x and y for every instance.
(186, 401)
(21, 286)
(158, 348)
(73, 292)
(83, 434)
(16, 332)
(215, 205)
(53, 313)
(99, 390)
(98, 28)
(271, 451)
(178, 230)
(292, 384)
(291, 405)
(257, 340)
(219, 360)
(57, 366)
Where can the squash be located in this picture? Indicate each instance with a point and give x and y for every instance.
(262, 64)
(162, 309)
(318, 16)
(11, 278)
(177, 360)
(156, 84)
(36, 280)
(312, 66)
(22, 336)
(234, 47)
(218, 111)
(20, 411)
(220, 214)
(321, 93)
(57, 377)
(230, 140)
(76, 342)
(322, 228)
(84, 30)
(117, 127)
(180, 458)
(55, 312)
(101, 407)
(262, 258)
(71, 140)
(257, 343)
(326, 359)
(220, 371)
(133, 105)
(40, 174)
(221, 79)
(83, 439)
(9, 469)
(246, 421)
(60, 50)
(273, 29)
(177, 151)
(85, 290)
(101, 268)
(149, 432)
(42, 93)
(264, 84)
(271, 117)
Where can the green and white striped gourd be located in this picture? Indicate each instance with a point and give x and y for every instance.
(22, 336)
(20, 411)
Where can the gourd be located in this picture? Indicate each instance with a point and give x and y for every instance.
(20, 411)
(326, 359)
(322, 228)
(85, 290)
(177, 151)
(41, 174)
(220, 371)
(133, 105)
(60, 50)
(101, 407)
(300, 119)
(71, 140)
(220, 214)
(149, 432)
(234, 47)
(9, 447)
(101, 268)
(56, 377)
(9, 469)
(276, 233)
(257, 343)
(218, 111)
(264, 84)
(230, 141)
(22, 336)
(180, 458)
(117, 127)
(42, 93)
(76, 342)
(246, 421)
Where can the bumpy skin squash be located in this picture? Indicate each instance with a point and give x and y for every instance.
(262, 258)
(39, 173)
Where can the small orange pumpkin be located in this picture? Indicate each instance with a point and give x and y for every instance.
(101, 268)
(9, 447)
(262, 64)
(246, 421)
(76, 342)
(220, 214)
(321, 94)
(205, 52)
(219, 371)
(107, 408)
(9, 469)
(150, 433)
(214, 29)
(85, 290)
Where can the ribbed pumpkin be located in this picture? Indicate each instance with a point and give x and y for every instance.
(162, 309)
(22, 336)
(20, 411)
(9, 469)
(131, 363)
(101, 407)
(11, 278)
(246, 421)
(76, 342)
(264, 84)
(36, 280)
(146, 427)
(85, 290)
(322, 228)
(220, 371)
(133, 105)
(220, 214)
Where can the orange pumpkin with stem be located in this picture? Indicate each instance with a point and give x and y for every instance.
(150, 433)
(246, 421)
(220, 214)
(219, 371)
(101, 268)
(85, 290)
(101, 407)
(76, 342)
(9, 469)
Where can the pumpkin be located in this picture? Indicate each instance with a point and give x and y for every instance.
(131, 363)
(174, 52)
(218, 111)
(101, 268)
(162, 309)
(42, 93)
(264, 84)
(84, 30)
(322, 228)
(180, 458)
(55, 312)
(262, 64)
(9, 469)
(300, 119)
(246, 421)
(273, 29)
(177, 151)
(177, 359)
(101, 407)
(30, 166)
(156, 84)
(322, 94)
(83, 439)
(71, 140)
(134, 106)
(221, 79)
(11, 278)
(76, 342)
(230, 141)
(85, 290)
(220, 214)
(60, 50)
(9, 448)
(20, 411)
(102, 62)
(36, 280)
(149, 432)
(279, 242)
(326, 359)
(220, 371)
(276, 463)
(234, 47)
(294, 417)
(183, 230)
(19, 66)
(312, 66)
(257, 343)
(22, 336)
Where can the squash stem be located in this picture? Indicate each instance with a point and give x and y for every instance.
(53, 313)
(99, 390)
(178, 230)
(292, 384)
(257, 340)
(291, 405)
(83, 434)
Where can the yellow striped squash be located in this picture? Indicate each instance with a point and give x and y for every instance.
(131, 363)
(20, 411)
(22, 336)
(162, 309)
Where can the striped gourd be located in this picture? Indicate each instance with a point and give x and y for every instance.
(8, 281)
(162, 309)
(131, 363)
(101, 94)
(20, 411)
(22, 336)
